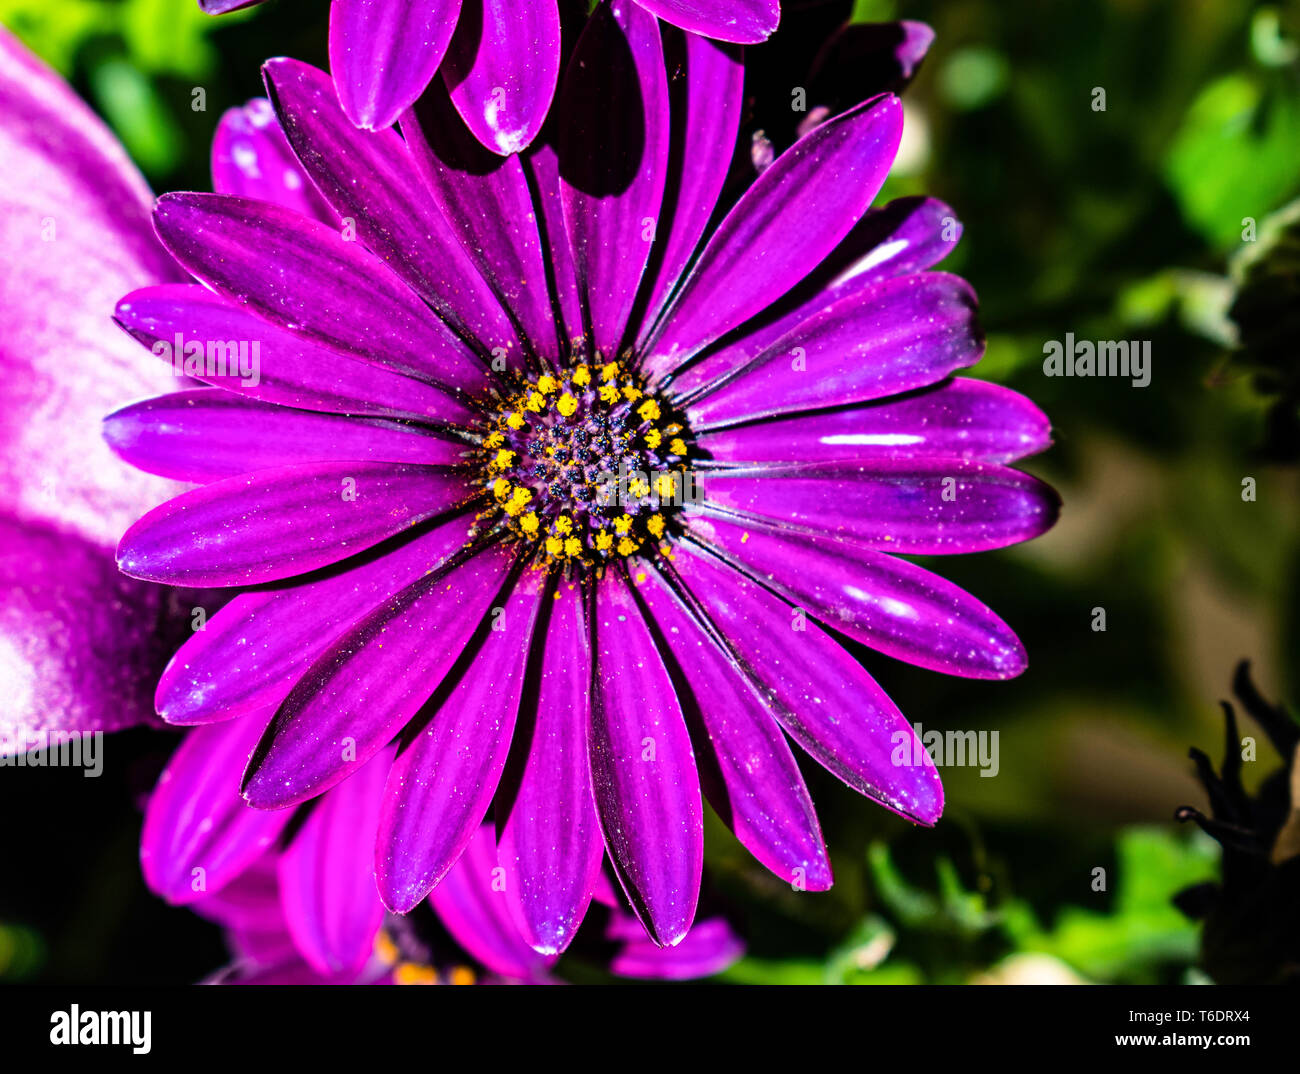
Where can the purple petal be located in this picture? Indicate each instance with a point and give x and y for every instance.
(961, 419)
(372, 680)
(471, 903)
(906, 236)
(884, 602)
(544, 170)
(369, 180)
(901, 334)
(220, 7)
(822, 696)
(550, 844)
(290, 371)
(444, 778)
(795, 214)
(279, 523)
(502, 67)
(306, 277)
(743, 21)
(249, 655)
(488, 205)
(206, 434)
(869, 57)
(327, 886)
(79, 641)
(384, 52)
(643, 770)
(748, 771)
(252, 158)
(906, 506)
(710, 947)
(198, 833)
(710, 98)
(615, 97)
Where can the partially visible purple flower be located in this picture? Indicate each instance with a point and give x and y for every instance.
(414, 486)
(500, 59)
(79, 643)
(296, 891)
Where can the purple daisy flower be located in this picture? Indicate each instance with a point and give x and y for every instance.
(295, 890)
(416, 489)
(500, 59)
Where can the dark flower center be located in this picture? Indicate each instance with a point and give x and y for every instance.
(586, 465)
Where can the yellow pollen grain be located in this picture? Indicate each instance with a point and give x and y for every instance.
(516, 420)
(567, 405)
(649, 410)
(655, 524)
(462, 975)
(536, 402)
(521, 495)
(494, 440)
(626, 546)
(385, 949)
(638, 488)
(622, 524)
(505, 457)
(677, 446)
(529, 523)
(500, 488)
(653, 438)
(609, 372)
(632, 394)
(609, 393)
(666, 485)
(640, 577)
(412, 973)
(513, 507)
(547, 384)
(563, 524)
(604, 542)
(572, 546)
(581, 376)
(554, 545)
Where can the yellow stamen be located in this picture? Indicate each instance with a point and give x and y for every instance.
(516, 420)
(609, 372)
(609, 393)
(677, 446)
(623, 524)
(649, 410)
(581, 376)
(505, 457)
(567, 405)
(666, 485)
(626, 546)
(653, 438)
(554, 545)
(604, 542)
(655, 524)
(529, 523)
(572, 546)
(563, 524)
(547, 384)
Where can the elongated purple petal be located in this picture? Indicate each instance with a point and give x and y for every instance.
(502, 68)
(710, 98)
(306, 277)
(882, 601)
(961, 419)
(821, 695)
(549, 843)
(744, 21)
(206, 434)
(371, 681)
(544, 171)
(906, 236)
(906, 506)
(174, 318)
(384, 52)
(710, 947)
(249, 655)
(252, 158)
(444, 778)
(279, 523)
(488, 205)
(369, 180)
(746, 768)
(902, 334)
(327, 887)
(795, 214)
(198, 833)
(643, 770)
(615, 96)
(471, 902)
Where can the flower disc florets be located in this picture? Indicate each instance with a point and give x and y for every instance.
(586, 465)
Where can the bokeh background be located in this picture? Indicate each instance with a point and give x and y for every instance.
(1119, 224)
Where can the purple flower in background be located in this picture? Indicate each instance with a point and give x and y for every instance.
(297, 896)
(80, 645)
(500, 59)
(416, 489)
